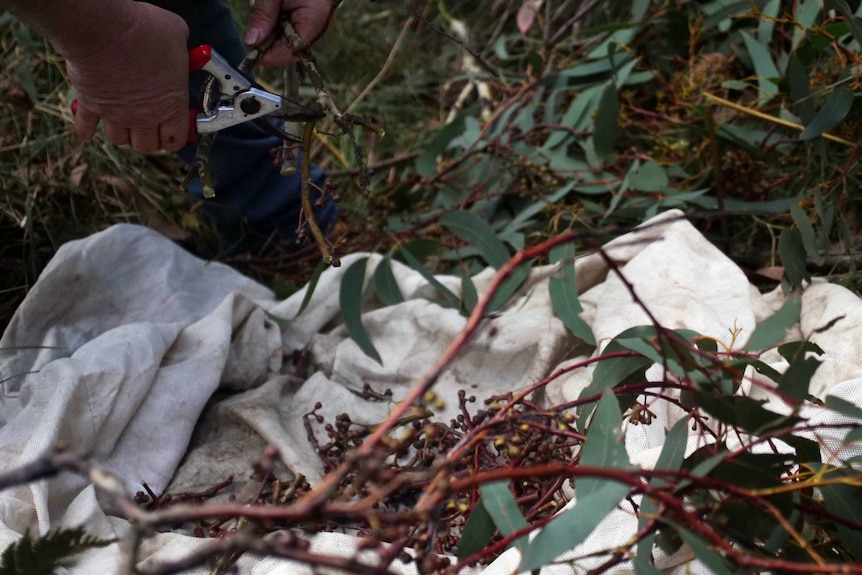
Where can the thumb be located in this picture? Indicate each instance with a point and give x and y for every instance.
(262, 22)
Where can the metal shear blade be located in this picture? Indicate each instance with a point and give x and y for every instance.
(239, 100)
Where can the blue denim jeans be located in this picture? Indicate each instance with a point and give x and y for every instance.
(253, 200)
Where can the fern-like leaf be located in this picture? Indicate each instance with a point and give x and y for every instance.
(41, 555)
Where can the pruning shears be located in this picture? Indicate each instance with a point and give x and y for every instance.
(229, 99)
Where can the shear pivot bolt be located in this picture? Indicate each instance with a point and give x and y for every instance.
(250, 106)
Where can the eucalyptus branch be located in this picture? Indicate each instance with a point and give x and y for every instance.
(307, 209)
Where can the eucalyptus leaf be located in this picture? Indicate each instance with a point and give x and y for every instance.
(572, 527)
(844, 407)
(844, 500)
(671, 457)
(469, 297)
(312, 284)
(605, 123)
(849, 17)
(648, 177)
(797, 377)
(806, 230)
(806, 15)
(476, 232)
(800, 91)
(503, 509)
(509, 286)
(426, 163)
(833, 112)
(764, 67)
(477, 531)
(596, 497)
(773, 330)
(450, 298)
(385, 285)
(792, 252)
(350, 300)
(716, 564)
(563, 290)
(769, 13)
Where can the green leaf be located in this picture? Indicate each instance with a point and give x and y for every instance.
(833, 112)
(792, 253)
(806, 230)
(716, 564)
(578, 114)
(509, 286)
(564, 294)
(806, 14)
(743, 412)
(853, 436)
(648, 177)
(790, 351)
(282, 287)
(451, 299)
(843, 407)
(740, 361)
(524, 215)
(800, 90)
(644, 567)
(605, 123)
(469, 297)
(476, 232)
(29, 556)
(797, 378)
(673, 451)
(612, 371)
(849, 17)
(350, 300)
(572, 527)
(734, 85)
(596, 497)
(767, 21)
(648, 350)
(773, 329)
(807, 450)
(477, 531)
(701, 467)
(312, 284)
(418, 248)
(385, 285)
(764, 67)
(671, 457)
(503, 509)
(845, 501)
(426, 163)
(604, 447)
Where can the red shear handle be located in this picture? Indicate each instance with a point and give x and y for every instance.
(199, 57)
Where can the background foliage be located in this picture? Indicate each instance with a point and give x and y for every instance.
(562, 116)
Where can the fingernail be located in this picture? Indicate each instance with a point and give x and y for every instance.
(252, 36)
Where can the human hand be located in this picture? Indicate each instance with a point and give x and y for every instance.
(310, 19)
(136, 82)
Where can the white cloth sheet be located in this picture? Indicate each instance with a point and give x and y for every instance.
(174, 371)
